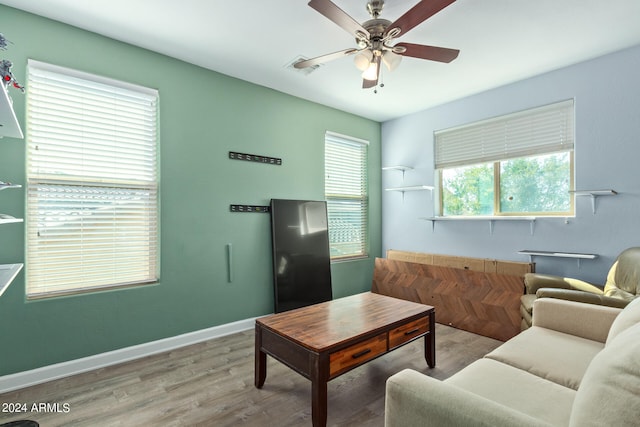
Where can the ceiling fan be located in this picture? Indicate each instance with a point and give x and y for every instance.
(374, 38)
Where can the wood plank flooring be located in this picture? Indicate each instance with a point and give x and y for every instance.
(211, 384)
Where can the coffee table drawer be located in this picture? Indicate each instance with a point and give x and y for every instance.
(408, 331)
(344, 359)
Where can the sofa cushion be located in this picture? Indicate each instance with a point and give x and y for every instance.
(549, 354)
(587, 321)
(413, 399)
(610, 390)
(517, 389)
(628, 317)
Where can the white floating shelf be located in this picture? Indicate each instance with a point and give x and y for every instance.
(8, 272)
(9, 125)
(5, 185)
(576, 256)
(594, 192)
(481, 218)
(411, 188)
(490, 219)
(8, 219)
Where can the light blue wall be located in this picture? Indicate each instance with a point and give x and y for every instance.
(607, 111)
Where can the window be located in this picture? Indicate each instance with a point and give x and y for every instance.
(346, 195)
(519, 164)
(92, 196)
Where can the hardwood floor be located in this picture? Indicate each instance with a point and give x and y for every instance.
(211, 384)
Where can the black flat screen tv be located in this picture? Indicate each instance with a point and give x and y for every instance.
(301, 262)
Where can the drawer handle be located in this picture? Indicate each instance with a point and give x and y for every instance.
(413, 331)
(361, 353)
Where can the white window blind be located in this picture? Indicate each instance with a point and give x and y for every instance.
(541, 130)
(346, 195)
(92, 196)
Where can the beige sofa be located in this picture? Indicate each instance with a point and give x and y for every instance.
(578, 365)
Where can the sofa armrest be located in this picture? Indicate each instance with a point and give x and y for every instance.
(580, 296)
(414, 399)
(588, 321)
(535, 281)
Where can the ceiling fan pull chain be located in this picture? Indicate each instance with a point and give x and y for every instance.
(380, 85)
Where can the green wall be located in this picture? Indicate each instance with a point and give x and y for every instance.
(203, 116)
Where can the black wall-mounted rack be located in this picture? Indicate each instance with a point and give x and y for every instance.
(255, 158)
(249, 208)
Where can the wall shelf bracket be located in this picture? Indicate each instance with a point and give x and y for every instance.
(594, 194)
(403, 169)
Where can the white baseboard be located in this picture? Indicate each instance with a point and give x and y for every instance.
(60, 370)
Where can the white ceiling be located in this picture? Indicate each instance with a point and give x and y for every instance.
(500, 41)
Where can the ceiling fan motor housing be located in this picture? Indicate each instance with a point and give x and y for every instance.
(376, 27)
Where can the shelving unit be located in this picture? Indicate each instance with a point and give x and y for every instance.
(594, 194)
(490, 219)
(9, 125)
(8, 272)
(403, 189)
(576, 256)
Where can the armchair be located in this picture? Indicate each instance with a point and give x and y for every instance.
(622, 286)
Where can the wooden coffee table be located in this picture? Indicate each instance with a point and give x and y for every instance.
(326, 340)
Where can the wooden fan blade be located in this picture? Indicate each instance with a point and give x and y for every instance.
(432, 53)
(366, 84)
(418, 14)
(324, 58)
(339, 16)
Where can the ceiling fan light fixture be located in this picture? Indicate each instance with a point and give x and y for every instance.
(391, 60)
(371, 73)
(363, 59)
